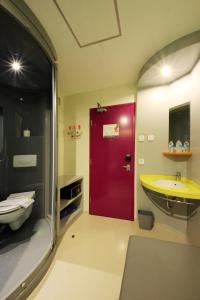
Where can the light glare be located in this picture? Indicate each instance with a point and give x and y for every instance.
(16, 66)
(166, 71)
(158, 94)
(124, 120)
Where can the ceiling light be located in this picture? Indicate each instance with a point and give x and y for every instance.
(16, 65)
(166, 71)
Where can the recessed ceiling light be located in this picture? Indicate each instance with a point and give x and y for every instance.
(166, 71)
(16, 65)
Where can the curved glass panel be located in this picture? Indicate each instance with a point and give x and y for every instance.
(26, 154)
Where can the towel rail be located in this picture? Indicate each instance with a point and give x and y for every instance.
(167, 198)
(191, 205)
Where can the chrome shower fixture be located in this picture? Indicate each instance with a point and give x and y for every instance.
(101, 109)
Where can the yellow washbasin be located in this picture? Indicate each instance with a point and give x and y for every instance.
(187, 189)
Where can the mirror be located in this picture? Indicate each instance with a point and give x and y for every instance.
(179, 124)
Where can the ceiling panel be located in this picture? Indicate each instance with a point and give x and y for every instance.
(90, 21)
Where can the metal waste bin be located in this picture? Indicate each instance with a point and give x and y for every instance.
(146, 219)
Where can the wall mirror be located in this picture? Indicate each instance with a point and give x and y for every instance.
(179, 124)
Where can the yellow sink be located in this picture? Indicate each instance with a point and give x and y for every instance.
(184, 188)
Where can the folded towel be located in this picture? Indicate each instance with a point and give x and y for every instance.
(29, 195)
(23, 202)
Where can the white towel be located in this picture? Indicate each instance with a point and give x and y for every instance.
(29, 195)
(23, 202)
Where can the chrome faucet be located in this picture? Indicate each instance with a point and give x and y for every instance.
(178, 176)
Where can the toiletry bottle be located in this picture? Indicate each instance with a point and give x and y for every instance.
(186, 146)
(179, 146)
(171, 146)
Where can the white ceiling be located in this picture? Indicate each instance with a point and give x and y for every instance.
(147, 26)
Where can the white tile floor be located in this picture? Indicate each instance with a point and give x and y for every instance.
(90, 265)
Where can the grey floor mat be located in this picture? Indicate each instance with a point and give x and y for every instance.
(160, 270)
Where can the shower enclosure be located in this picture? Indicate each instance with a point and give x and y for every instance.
(27, 147)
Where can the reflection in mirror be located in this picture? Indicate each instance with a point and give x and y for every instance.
(179, 124)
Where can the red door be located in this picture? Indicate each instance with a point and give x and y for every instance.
(112, 161)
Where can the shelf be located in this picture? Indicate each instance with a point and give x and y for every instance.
(65, 202)
(66, 221)
(65, 180)
(177, 153)
(68, 209)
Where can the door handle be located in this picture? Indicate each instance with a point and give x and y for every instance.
(127, 167)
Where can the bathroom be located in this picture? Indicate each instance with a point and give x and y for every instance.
(55, 83)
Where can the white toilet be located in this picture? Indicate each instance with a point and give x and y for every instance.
(16, 209)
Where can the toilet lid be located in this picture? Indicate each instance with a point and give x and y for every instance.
(7, 209)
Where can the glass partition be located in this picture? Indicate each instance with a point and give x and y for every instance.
(27, 156)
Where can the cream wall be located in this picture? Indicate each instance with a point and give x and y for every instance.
(69, 162)
(60, 128)
(193, 166)
(76, 111)
(153, 118)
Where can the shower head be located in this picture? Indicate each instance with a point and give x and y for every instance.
(101, 109)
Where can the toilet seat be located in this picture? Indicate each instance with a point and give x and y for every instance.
(7, 209)
(16, 209)
(13, 204)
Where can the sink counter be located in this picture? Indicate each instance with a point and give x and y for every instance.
(189, 189)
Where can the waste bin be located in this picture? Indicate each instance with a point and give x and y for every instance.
(146, 219)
